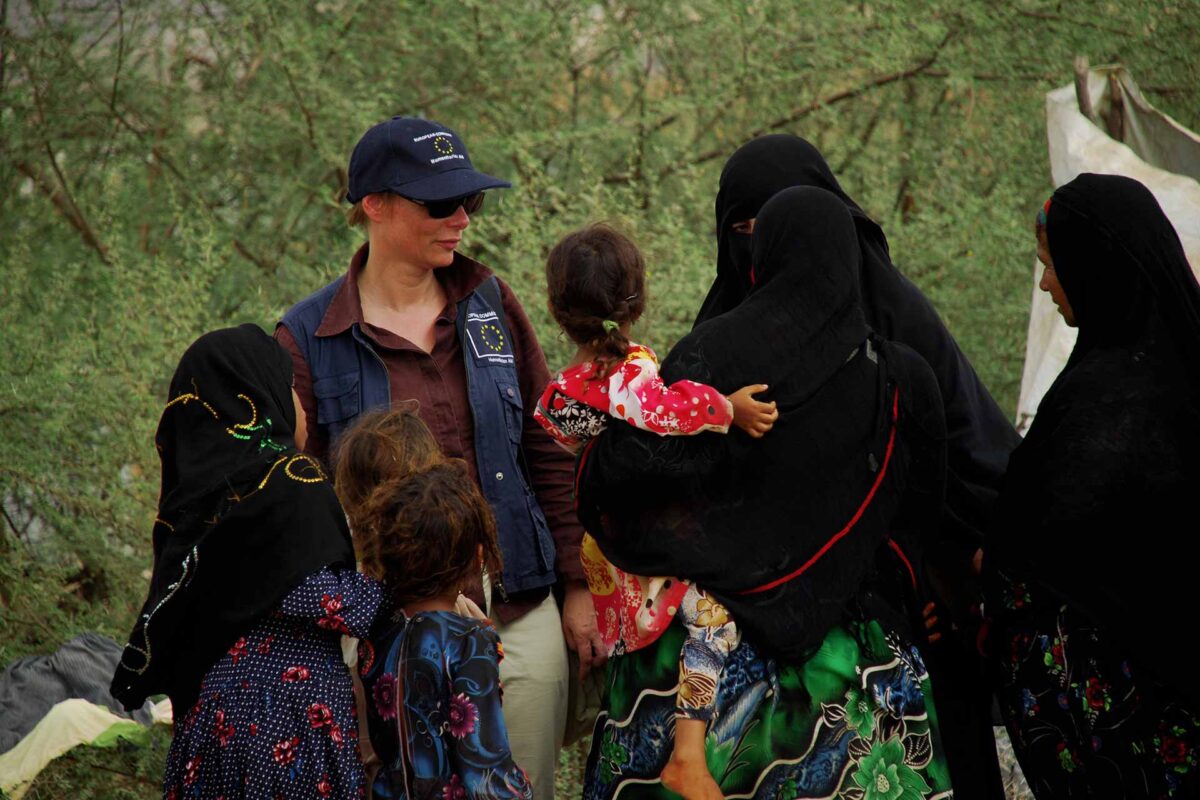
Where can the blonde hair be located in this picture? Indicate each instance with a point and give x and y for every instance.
(357, 217)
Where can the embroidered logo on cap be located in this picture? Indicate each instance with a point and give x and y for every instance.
(443, 145)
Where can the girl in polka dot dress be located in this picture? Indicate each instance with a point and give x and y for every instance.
(596, 282)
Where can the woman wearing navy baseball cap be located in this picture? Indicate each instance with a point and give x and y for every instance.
(414, 319)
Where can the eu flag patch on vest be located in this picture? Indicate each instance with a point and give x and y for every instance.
(487, 338)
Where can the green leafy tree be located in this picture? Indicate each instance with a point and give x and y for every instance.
(171, 167)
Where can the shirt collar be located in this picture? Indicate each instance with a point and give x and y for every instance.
(459, 279)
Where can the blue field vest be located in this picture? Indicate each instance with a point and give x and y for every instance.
(350, 378)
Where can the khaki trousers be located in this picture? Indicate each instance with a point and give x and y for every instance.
(534, 676)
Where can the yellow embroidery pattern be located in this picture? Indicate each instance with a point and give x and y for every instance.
(309, 470)
(248, 427)
(189, 397)
(299, 467)
(246, 430)
(492, 337)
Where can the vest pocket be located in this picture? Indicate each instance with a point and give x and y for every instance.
(337, 398)
(514, 409)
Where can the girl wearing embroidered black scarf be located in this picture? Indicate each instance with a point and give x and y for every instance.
(784, 530)
(979, 437)
(1092, 567)
(242, 517)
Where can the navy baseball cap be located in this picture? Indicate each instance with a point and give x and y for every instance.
(417, 158)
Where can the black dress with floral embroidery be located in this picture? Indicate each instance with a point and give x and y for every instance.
(276, 715)
(1086, 721)
(441, 672)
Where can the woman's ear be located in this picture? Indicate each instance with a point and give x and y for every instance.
(375, 206)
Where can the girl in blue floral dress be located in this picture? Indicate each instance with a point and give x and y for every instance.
(431, 676)
(253, 586)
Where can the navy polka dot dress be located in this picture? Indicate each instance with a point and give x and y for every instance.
(276, 717)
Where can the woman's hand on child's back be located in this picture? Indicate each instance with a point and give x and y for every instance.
(466, 607)
(753, 416)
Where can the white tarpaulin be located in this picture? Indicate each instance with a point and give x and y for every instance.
(1128, 137)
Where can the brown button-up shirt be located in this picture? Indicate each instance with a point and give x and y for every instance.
(438, 381)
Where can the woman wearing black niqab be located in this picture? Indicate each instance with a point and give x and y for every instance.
(979, 437)
(253, 585)
(790, 533)
(1092, 568)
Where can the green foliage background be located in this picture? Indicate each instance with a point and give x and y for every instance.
(175, 166)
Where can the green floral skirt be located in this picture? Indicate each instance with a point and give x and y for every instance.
(855, 721)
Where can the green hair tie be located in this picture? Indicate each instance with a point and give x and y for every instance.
(610, 326)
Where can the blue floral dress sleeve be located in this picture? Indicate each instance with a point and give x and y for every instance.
(484, 763)
(452, 742)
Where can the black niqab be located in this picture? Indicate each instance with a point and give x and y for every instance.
(805, 509)
(752, 176)
(980, 437)
(1098, 505)
(242, 518)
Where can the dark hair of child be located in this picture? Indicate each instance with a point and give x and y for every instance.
(596, 281)
(382, 445)
(422, 534)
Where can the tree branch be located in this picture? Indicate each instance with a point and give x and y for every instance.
(863, 140)
(1051, 17)
(183, 183)
(12, 525)
(266, 266)
(4, 34)
(803, 111)
(120, 52)
(1169, 89)
(989, 76)
(64, 203)
(308, 117)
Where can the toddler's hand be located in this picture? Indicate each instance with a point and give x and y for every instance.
(753, 416)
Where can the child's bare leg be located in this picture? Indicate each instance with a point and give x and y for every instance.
(687, 771)
(711, 636)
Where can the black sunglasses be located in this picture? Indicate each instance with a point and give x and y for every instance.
(440, 209)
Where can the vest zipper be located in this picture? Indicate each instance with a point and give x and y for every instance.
(387, 376)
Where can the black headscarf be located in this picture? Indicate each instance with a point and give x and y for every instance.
(806, 509)
(980, 437)
(1099, 502)
(242, 517)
